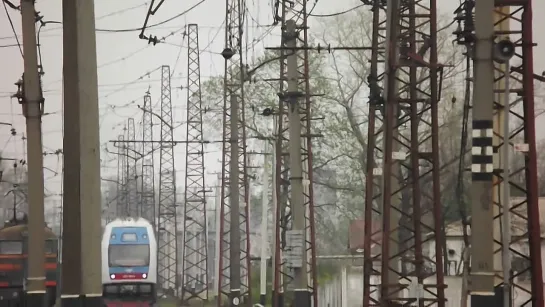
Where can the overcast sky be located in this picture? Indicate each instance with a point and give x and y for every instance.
(124, 63)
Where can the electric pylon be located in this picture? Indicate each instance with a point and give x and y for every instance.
(234, 259)
(522, 180)
(373, 178)
(121, 202)
(167, 222)
(195, 251)
(514, 255)
(133, 203)
(295, 254)
(411, 157)
(148, 174)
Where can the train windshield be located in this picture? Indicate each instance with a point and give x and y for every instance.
(11, 247)
(51, 246)
(128, 255)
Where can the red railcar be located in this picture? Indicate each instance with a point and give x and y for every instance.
(13, 263)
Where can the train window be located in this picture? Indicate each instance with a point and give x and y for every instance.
(51, 246)
(128, 255)
(11, 247)
(129, 237)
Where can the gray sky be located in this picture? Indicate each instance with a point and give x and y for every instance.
(123, 59)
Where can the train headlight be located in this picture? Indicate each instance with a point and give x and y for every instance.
(112, 276)
(144, 275)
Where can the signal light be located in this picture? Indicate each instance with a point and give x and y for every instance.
(112, 276)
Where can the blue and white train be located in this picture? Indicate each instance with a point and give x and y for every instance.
(129, 262)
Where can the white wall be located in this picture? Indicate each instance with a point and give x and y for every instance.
(346, 290)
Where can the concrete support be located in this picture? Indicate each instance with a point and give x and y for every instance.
(32, 103)
(82, 200)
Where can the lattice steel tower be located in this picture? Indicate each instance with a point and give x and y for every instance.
(295, 254)
(121, 202)
(148, 174)
(167, 224)
(411, 155)
(195, 251)
(373, 178)
(133, 201)
(234, 260)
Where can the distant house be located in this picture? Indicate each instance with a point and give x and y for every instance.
(454, 242)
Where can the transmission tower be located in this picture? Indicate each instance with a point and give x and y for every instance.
(373, 179)
(148, 174)
(195, 251)
(411, 158)
(505, 260)
(234, 259)
(133, 205)
(121, 203)
(295, 254)
(167, 232)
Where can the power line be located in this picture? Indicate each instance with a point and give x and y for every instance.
(12, 26)
(338, 13)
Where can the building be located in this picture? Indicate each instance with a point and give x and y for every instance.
(346, 289)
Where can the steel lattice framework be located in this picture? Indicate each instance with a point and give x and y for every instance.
(167, 234)
(411, 155)
(133, 203)
(195, 251)
(234, 273)
(373, 179)
(121, 203)
(524, 207)
(148, 174)
(283, 273)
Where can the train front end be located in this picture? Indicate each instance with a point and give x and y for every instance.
(129, 264)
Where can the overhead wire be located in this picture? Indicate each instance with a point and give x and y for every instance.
(4, 2)
(156, 24)
(460, 186)
(336, 14)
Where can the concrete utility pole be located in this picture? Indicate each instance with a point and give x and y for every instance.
(32, 104)
(81, 274)
(482, 237)
(295, 254)
(296, 236)
(264, 221)
(234, 258)
(510, 87)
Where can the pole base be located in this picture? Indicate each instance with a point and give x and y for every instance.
(234, 298)
(278, 299)
(263, 299)
(81, 301)
(35, 299)
(483, 300)
(302, 298)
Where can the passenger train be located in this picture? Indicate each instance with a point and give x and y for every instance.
(13, 262)
(129, 263)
